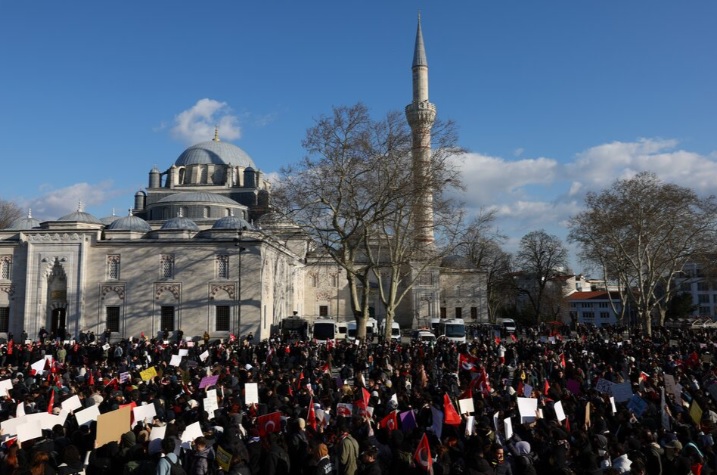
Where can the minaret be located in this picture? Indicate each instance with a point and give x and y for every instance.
(421, 114)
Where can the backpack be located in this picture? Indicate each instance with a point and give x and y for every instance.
(175, 468)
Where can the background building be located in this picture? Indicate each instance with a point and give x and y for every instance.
(201, 250)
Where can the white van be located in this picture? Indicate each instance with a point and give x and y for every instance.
(341, 330)
(508, 325)
(395, 331)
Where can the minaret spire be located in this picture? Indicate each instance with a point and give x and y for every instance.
(421, 115)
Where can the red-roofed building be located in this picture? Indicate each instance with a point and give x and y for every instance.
(594, 307)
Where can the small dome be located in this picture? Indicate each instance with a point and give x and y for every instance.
(457, 262)
(214, 152)
(80, 217)
(197, 197)
(180, 222)
(232, 222)
(130, 223)
(274, 219)
(107, 220)
(23, 224)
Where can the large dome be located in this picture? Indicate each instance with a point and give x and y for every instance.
(197, 197)
(215, 152)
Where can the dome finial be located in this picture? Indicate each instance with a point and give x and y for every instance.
(29, 213)
(216, 133)
(129, 212)
(79, 206)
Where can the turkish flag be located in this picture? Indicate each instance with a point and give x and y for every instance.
(422, 456)
(512, 337)
(311, 415)
(366, 395)
(467, 362)
(562, 360)
(451, 416)
(52, 401)
(546, 387)
(389, 422)
(269, 423)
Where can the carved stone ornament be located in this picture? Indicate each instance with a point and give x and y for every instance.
(230, 289)
(118, 289)
(47, 237)
(159, 289)
(8, 289)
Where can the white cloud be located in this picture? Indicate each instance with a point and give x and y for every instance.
(543, 193)
(55, 203)
(489, 179)
(598, 167)
(197, 123)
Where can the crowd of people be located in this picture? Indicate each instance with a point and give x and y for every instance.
(347, 408)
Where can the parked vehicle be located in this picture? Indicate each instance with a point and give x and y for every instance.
(324, 330)
(454, 329)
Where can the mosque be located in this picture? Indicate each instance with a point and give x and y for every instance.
(201, 250)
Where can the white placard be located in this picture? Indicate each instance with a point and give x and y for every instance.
(559, 413)
(87, 415)
(176, 359)
(72, 404)
(106, 346)
(155, 439)
(210, 405)
(28, 431)
(251, 393)
(508, 426)
(183, 352)
(38, 366)
(466, 406)
(612, 403)
(204, 355)
(5, 386)
(190, 434)
(470, 423)
(145, 413)
(495, 421)
(528, 408)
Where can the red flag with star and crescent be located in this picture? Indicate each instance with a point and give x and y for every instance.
(467, 362)
(269, 423)
(390, 422)
(52, 401)
(311, 415)
(451, 416)
(422, 456)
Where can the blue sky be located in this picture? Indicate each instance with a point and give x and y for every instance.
(552, 98)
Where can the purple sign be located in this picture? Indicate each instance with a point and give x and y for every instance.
(208, 381)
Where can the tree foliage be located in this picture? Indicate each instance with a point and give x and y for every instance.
(481, 244)
(641, 232)
(355, 195)
(9, 212)
(540, 258)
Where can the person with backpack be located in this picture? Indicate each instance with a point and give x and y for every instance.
(202, 458)
(169, 462)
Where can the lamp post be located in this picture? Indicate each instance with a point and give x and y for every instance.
(240, 249)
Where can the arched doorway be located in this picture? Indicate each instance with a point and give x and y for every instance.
(57, 299)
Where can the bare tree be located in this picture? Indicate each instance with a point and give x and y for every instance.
(354, 193)
(641, 232)
(540, 258)
(481, 244)
(9, 212)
